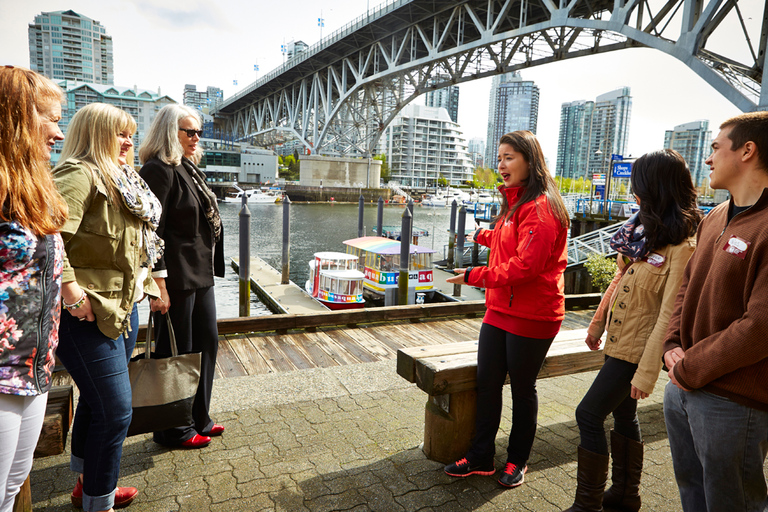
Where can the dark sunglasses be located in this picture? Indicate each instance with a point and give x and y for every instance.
(191, 133)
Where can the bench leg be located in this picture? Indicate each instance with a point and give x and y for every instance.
(23, 501)
(449, 424)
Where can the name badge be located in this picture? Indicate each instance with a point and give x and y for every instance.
(657, 260)
(737, 246)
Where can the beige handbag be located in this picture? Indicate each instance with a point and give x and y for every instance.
(163, 389)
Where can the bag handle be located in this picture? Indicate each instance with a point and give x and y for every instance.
(171, 335)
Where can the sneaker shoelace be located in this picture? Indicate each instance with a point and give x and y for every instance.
(462, 462)
(510, 468)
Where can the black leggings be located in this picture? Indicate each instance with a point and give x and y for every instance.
(500, 353)
(609, 393)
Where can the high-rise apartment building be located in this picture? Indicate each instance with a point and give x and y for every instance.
(446, 97)
(140, 103)
(590, 132)
(476, 147)
(692, 140)
(423, 144)
(65, 45)
(513, 105)
(202, 100)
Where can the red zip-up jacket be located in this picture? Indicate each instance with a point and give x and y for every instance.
(528, 254)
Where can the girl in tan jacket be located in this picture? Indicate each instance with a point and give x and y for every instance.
(653, 248)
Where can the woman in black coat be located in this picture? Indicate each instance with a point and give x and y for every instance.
(191, 228)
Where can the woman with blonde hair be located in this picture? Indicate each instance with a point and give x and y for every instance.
(191, 229)
(31, 251)
(111, 245)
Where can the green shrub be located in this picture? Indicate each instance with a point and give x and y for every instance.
(602, 270)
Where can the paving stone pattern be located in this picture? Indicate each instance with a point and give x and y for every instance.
(344, 445)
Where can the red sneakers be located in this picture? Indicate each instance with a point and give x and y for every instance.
(123, 495)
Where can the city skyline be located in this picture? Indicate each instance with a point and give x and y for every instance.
(202, 43)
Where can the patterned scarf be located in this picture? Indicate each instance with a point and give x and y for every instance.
(206, 196)
(142, 203)
(629, 240)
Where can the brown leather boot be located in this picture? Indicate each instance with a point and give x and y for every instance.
(627, 455)
(591, 476)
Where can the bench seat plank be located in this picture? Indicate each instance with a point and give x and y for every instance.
(452, 367)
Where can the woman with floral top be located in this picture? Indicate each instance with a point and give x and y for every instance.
(111, 246)
(31, 214)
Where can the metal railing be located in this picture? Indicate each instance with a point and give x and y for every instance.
(595, 242)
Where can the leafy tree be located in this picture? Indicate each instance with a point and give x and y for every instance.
(384, 167)
(441, 181)
(602, 270)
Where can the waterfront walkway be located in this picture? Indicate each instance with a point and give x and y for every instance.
(346, 437)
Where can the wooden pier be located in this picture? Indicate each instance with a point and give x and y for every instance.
(281, 298)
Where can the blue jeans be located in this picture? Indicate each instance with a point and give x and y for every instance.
(99, 367)
(718, 449)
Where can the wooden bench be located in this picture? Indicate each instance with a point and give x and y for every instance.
(59, 412)
(448, 374)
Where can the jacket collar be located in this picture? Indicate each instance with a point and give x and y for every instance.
(512, 194)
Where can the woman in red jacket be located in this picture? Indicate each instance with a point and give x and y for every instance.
(525, 304)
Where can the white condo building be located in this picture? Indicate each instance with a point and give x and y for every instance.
(65, 45)
(423, 144)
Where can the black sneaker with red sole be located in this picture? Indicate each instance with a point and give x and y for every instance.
(463, 467)
(513, 475)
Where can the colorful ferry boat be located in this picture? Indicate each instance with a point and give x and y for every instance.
(334, 280)
(380, 260)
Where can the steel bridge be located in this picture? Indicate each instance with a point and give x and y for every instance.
(338, 97)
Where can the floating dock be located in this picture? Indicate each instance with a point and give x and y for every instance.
(288, 299)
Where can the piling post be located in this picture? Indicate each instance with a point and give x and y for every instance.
(286, 241)
(452, 235)
(405, 257)
(360, 212)
(380, 217)
(460, 246)
(245, 259)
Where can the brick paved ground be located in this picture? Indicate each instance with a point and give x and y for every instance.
(348, 438)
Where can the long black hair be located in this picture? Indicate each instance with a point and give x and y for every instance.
(539, 179)
(668, 210)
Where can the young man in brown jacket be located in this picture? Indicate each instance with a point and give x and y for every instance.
(716, 346)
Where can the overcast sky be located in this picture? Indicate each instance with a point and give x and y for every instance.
(166, 44)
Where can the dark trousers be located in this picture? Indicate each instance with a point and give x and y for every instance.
(609, 393)
(193, 314)
(500, 353)
(99, 367)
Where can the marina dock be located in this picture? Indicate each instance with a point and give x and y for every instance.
(282, 298)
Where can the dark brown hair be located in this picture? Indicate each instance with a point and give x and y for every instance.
(668, 209)
(752, 126)
(539, 179)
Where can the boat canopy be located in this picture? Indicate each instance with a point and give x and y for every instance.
(380, 245)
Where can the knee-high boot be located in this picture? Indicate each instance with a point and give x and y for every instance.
(590, 477)
(627, 455)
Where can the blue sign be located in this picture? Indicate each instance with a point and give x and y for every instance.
(614, 156)
(599, 192)
(622, 169)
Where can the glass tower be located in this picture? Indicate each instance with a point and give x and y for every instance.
(65, 45)
(692, 140)
(513, 105)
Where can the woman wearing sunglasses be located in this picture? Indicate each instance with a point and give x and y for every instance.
(194, 254)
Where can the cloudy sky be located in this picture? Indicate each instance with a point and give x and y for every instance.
(166, 44)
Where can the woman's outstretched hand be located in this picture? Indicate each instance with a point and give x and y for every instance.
(592, 342)
(458, 278)
(638, 394)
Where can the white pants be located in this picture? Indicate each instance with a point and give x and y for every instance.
(21, 418)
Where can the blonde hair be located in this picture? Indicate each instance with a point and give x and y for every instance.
(162, 139)
(27, 192)
(92, 138)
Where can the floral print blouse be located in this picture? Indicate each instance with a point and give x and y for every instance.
(30, 308)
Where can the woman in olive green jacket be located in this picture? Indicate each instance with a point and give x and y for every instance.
(654, 247)
(110, 245)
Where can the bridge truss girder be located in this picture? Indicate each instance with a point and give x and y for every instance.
(342, 108)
